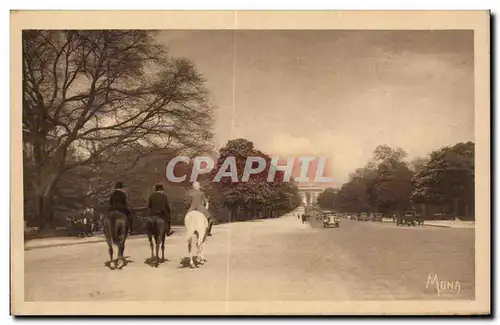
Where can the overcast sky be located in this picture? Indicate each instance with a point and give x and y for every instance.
(336, 94)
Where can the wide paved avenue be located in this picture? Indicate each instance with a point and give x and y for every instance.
(277, 259)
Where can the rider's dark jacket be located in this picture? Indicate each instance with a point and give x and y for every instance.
(158, 205)
(118, 202)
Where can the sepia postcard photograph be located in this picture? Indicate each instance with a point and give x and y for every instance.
(250, 163)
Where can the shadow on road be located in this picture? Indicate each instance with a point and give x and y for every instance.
(118, 266)
(185, 262)
(151, 261)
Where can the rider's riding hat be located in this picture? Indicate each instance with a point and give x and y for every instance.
(159, 187)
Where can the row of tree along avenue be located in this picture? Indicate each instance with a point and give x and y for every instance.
(103, 106)
(442, 183)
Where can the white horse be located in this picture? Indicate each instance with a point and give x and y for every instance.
(196, 225)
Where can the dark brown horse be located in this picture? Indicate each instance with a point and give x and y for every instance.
(116, 227)
(157, 227)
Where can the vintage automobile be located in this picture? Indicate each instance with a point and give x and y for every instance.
(419, 220)
(407, 219)
(442, 216)
(377, 217)
(363, 216)
(76, 227)
(331, 220)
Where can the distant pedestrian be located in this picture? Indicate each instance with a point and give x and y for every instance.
(87, 226)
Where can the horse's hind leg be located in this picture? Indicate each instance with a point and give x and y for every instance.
(121, 250)
(150, 238)
(109, 241)
(151, 229)
(122, 237)
(190, 241)
(110, 251)
(200, 245)
(157, 249)
(163, 235)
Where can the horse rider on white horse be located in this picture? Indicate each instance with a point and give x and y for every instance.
(199, 202)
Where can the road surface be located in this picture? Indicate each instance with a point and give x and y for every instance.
(266, 260)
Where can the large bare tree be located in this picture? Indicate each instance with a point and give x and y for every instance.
(97, 93)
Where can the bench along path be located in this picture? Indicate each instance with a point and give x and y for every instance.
(264, 260)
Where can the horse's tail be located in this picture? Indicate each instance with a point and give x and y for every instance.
(202, 235)
(188, 224)
(110, 227)
(152, 226)
(191, 234)
(120, 230)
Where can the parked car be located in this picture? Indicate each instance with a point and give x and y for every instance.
(407, 219)
(363, 216)
(443, 216)
(331, 220)
(377, 217)
(77, 228)
(419, 220)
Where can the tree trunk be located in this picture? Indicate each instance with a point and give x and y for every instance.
(45, 208)
(45, 215)
(234, 211)
(44, 194)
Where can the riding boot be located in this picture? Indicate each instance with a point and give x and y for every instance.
(209, 231)
(169, 230)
